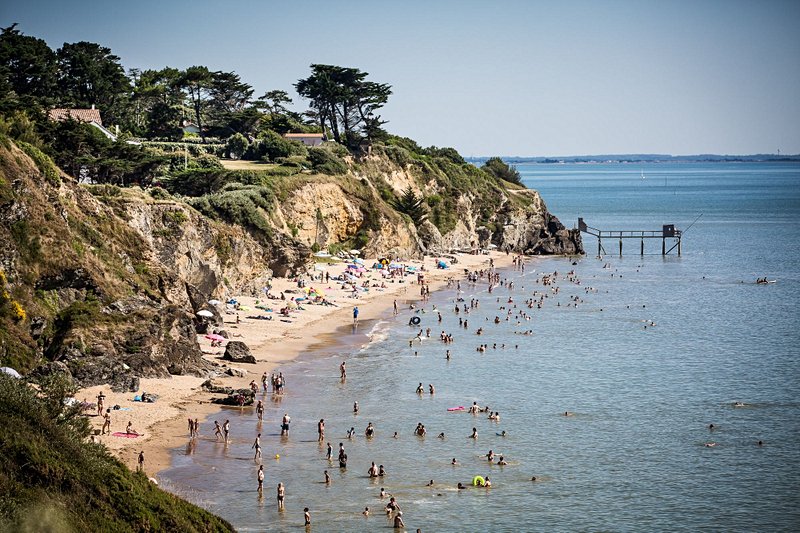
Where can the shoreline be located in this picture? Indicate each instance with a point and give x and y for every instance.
(273, 343)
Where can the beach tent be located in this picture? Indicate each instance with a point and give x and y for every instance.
(214, 302)
(395, 265)
(358, 261)
(215, 337)
(10, 371)
(205, 314)
(441, 264)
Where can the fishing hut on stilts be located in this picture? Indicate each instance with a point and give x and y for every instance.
(668, 234)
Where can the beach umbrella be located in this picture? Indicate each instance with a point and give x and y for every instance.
(205, 314)
(358, 261)
(395, 265)
(10, 371)
(214, 302)
(215, 337)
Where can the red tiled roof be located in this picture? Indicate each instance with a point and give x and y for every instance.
(314, 135)
(81, 115)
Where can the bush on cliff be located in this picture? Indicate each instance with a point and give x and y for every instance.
(52, 479)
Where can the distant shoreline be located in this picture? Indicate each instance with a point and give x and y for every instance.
(642, 158)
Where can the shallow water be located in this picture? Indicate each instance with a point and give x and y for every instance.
(633, 456)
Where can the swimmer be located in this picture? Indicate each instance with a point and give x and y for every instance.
(395, 435)
(711, 427)
(487, 483)
(365, 512)
(533, 478)
(460, 486)
(710, 444)
(381, 471)
(454, 462)
(502, 462)
(431, 389)
(430, 484)
(474, 433)
(490, 456)
(383, 493)
(738, 404)
(441, 435)
(355, 408)
(327, 478)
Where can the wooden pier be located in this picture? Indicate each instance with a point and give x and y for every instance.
(668, 231)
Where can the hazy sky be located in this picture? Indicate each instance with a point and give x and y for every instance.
(491, 77)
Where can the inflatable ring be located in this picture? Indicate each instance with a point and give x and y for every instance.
(415, 320)
(478, 481)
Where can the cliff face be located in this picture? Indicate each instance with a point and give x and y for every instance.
(109, 280)
(104, 283)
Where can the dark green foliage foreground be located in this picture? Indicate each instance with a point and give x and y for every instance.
(53, 480)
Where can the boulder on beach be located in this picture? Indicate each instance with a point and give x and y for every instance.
(238, 352)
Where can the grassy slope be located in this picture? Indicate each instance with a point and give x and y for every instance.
(51, 479)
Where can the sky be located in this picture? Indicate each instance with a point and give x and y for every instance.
(491, 77)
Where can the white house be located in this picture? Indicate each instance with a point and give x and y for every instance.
(309, 139)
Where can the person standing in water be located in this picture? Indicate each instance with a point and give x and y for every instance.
(307, 516)
(261, 479)
(355, 316)
(281, 496)
(321, 430)
(343, 370)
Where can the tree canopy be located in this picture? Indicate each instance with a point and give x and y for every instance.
(343, 101)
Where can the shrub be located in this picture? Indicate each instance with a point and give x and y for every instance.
(326, 162)
(236, 146)
(272, 146)
(42, 161)
(501, 170)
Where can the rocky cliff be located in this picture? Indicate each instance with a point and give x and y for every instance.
(104, 282)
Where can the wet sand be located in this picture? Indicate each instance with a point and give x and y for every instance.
(164, 424)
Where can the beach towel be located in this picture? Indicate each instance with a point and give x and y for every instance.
(125, 435)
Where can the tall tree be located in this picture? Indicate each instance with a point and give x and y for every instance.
(28, 71)
(343, 100)
(89, 74)
(197, 83)
(229, 104)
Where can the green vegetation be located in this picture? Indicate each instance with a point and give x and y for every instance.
(53, 479)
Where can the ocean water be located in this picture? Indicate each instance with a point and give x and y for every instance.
(633, 456)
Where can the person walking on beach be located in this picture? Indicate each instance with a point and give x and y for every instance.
(257, 446)
(217, 430)
(321, 430)
(140, 461)
(100, 403)
(355, 316)
(260, 479)
(106, 422)
(281, 496)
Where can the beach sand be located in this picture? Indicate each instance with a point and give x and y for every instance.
(164, 424)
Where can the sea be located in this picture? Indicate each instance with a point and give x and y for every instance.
(644, 352)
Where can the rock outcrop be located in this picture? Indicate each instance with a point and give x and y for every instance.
(238, 352)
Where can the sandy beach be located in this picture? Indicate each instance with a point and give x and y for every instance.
(163, 425)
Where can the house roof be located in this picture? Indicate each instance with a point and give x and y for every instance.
(297, 135)
(81, 115)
